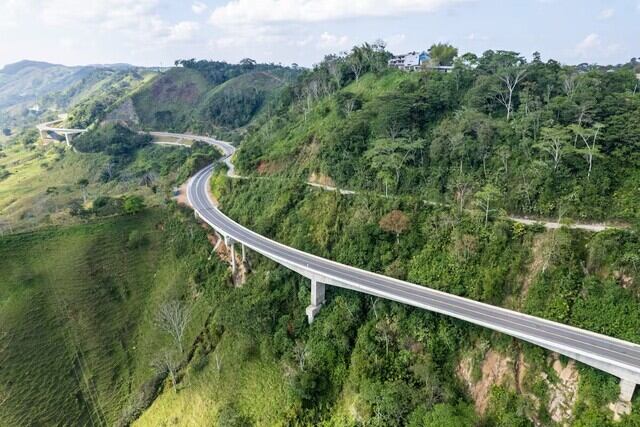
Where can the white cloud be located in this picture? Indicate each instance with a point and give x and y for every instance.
(11, 12)
(304, 41)
(183, 31)
(592, 46)
(198, 7)
(606, 13)
(331, 41)
(251, 36)
(589, 44)
(249, 12)
(109, 14)
(139, 21)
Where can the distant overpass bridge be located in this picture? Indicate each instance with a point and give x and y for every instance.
(47, 128)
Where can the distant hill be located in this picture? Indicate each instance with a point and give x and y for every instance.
(35, 90)
(21, 65)
(203, 96)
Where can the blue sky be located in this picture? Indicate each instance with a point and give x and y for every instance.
(156, 32)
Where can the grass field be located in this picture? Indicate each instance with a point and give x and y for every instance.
(43, 182)
(77, 306)
(256, 388)
(167, 100)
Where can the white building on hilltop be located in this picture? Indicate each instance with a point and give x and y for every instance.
(414, 61)
(410, 61)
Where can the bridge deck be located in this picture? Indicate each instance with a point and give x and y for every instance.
(616, 356)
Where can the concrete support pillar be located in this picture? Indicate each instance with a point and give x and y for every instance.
(317, 299)
(626, 390)
(244, 255)
(233, 257)
(68, 139)
(196, 214)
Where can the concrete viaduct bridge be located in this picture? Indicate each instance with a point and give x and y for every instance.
(47, 128)
(614, 356)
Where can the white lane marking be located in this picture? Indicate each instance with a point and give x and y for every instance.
(295, 258)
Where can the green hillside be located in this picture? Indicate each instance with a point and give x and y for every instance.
(366, 361)
(168, 101)
(77, 312)
(439, 163)
(53, 89)
(96, 95)
(236, 102)
(568, 146)
(206, 97)
(45, 184)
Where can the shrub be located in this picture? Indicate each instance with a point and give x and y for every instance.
(133, 204)
(136, 239)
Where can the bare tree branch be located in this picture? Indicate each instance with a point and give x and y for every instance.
(173, 318)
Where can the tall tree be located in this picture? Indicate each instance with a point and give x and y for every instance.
(589, 137)
(554, 142)
(509, 78)
(389, 157)
(443, 54)
(356, 62)
(486, 200)
(173, 318)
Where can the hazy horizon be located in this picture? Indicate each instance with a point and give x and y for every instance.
(157, 32)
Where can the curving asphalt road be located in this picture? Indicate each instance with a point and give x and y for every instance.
(618, 357)
(227, 149)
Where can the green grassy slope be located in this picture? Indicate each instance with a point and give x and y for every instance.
(183, 99)
(57, 88)
(167, 100)
(76, 319)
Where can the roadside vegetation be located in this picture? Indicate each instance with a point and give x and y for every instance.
(528, 137)
(53, 185)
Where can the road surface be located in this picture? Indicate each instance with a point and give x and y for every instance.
(227, 149)
(615, 356)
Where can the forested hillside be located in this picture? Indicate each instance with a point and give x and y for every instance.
(197, 96)
(529, 137)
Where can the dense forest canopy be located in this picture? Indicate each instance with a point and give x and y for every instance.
(539, 137)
